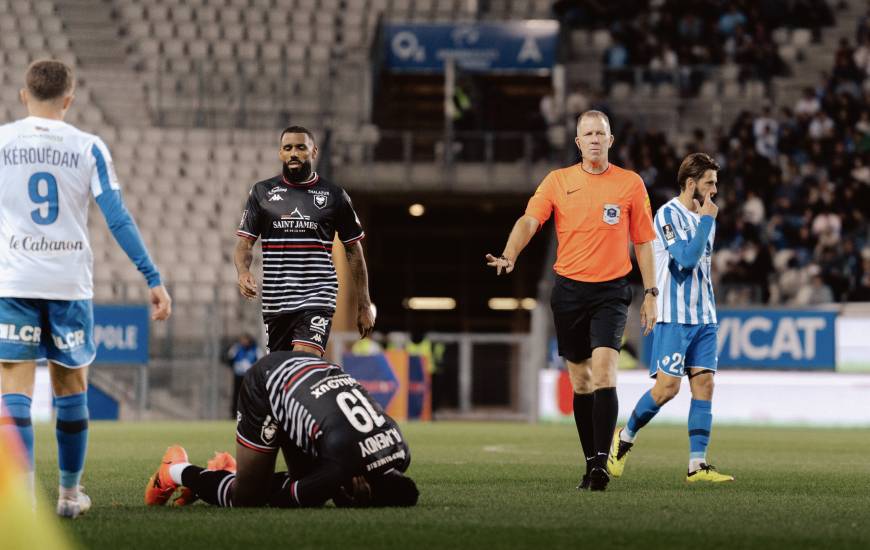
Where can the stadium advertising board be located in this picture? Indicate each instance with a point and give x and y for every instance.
(384, 376)
(781, 339)
(479, 47)
(773, 339)
(121, 333)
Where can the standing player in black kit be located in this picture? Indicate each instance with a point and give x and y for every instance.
(296, 215)
(337, 442)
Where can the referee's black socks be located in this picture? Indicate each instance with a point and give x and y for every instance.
(583, 418)
(605, 412)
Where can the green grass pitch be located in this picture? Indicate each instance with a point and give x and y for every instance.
(504, 485)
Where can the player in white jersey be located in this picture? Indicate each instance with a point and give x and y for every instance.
(684, 339)
(48, 170)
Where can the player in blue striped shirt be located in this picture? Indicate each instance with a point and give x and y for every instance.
(684, 339)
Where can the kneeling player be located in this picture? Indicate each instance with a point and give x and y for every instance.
(337, 442)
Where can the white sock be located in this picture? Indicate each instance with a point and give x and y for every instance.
(623, 436)
(695, 463)
(71, 493)
(175, 471)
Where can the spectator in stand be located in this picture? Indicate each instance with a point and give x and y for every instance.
(615, 65)
(817, 292)
(861, 293)
(821, 126)
(808, 105)
(731, 20)
(753, 209)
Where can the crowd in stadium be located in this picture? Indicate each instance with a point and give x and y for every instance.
(796, 185)
(675, 40)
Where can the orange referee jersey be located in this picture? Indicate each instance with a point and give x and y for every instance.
(594, 214)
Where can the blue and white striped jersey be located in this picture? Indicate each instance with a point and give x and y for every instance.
(48, 170)
(683, 253)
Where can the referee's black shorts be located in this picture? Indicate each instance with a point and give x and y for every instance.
(589, 315)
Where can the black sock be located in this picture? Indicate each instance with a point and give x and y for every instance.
(583, 406)
(212, 486)
(604, 418)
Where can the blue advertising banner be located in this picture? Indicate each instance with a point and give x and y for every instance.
(773, 339)
(374, 373)
(477, 47)
(121, 334)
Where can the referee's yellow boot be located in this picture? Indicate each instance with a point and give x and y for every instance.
(707, 473)
(618, 454)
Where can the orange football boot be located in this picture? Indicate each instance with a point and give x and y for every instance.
(160, 486)
(222, 461)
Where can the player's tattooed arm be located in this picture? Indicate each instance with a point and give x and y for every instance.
(243, 256)
(365, 318)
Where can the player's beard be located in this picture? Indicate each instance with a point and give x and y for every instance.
(699, 197)
(297, 175)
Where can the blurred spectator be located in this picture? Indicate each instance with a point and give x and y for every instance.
(808, 105)
(861, 293)
(816, 292)
(730, 20)
(821, 126)
(240, 357)
(753, 209)
(616, 65)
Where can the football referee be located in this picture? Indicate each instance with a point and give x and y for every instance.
(297, 214)
(597, 208)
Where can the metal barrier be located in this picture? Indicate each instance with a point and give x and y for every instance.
(482, 375)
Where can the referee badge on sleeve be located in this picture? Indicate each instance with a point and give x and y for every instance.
(611, 214)
(668, 232)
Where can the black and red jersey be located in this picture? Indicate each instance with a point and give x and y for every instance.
(303, 403)
(297, 223)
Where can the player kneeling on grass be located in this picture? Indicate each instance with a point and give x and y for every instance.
(337, 442)
(684, 339)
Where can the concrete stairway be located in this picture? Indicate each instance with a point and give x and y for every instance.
(94, 37)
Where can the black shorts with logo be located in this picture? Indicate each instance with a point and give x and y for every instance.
(589, 315)
(308, 326)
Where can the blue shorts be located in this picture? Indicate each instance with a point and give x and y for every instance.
(61, 331)
(677, 347)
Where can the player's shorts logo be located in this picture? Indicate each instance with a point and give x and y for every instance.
(319, 324)
(268, 431)
(611, 214)
(320, 201)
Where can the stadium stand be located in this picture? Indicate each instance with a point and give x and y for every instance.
(189, 95)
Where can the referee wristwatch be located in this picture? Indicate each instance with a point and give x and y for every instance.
(654, 291)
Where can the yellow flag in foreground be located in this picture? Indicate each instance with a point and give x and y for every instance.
(22, 527)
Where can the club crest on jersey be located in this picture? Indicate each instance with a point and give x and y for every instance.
(611, 214)
(269, 430)
(670, 236)
(320, 201)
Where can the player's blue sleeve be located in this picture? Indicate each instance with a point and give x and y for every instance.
(124, 230)
(688, 253)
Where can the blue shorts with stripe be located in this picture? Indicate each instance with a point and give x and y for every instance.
(677, 347)
(61, 331)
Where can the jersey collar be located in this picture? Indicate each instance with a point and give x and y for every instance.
(307, 183)
(680, 205)
(584, 171)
